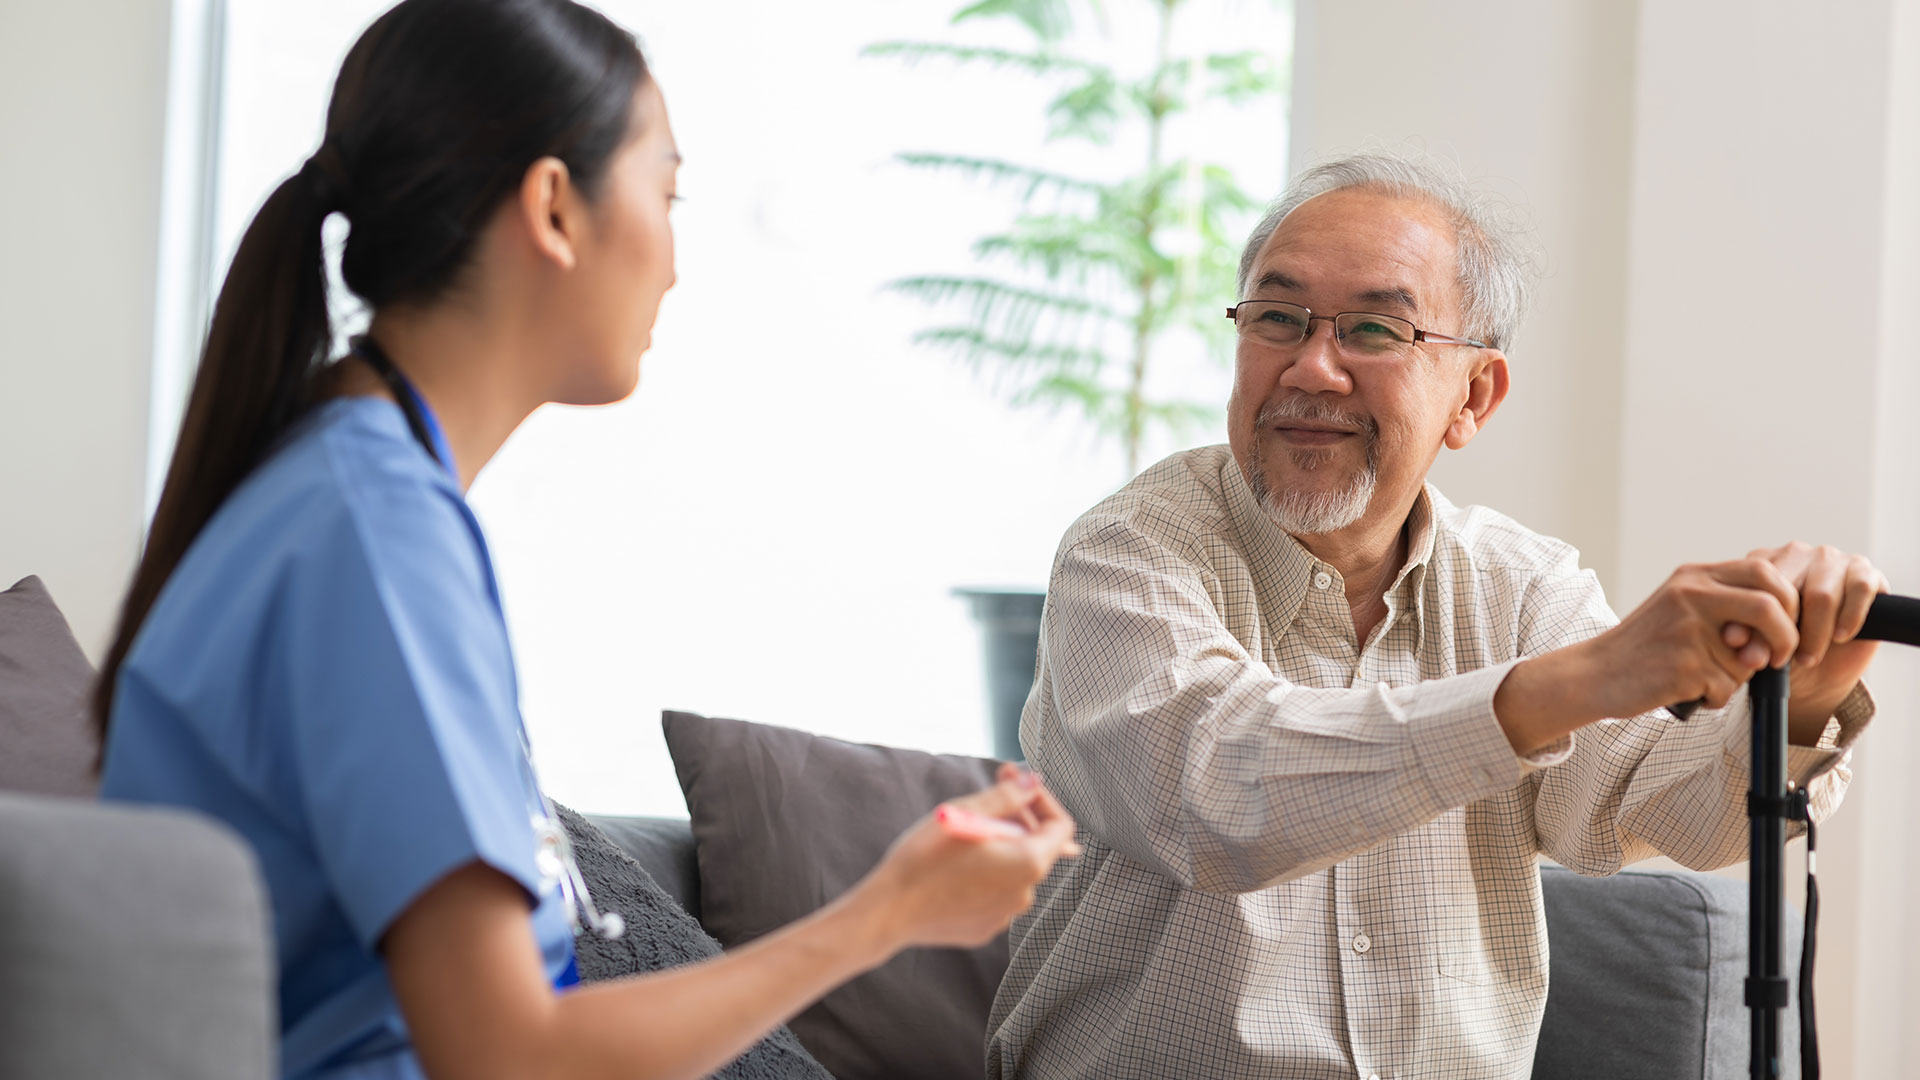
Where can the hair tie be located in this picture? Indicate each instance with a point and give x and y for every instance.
(326, 177)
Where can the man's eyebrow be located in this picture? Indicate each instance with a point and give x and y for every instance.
(1274, 279)
(1392, 297)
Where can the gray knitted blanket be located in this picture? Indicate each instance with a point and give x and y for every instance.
(661, 935)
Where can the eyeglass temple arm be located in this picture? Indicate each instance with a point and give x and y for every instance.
(1442, 339)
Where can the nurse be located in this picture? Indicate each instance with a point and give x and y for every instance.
(312, 649)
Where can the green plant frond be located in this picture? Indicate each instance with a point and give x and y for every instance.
(1238, 78)
(1036, 63)
(1008, 312)
(1222, 192)
(1164, 192)
(1233, 78)
(995, 171)
(1062, 246)
(974, 346)
(1090, 109)
(1098, 402)
(1100, 263)
(1048, 20)
(1179, 417)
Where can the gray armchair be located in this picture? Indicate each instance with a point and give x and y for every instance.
(133, 942)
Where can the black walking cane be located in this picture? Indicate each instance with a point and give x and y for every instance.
(1770, 805)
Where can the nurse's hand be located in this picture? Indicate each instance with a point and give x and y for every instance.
(960, 875)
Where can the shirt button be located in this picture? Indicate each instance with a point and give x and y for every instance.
(1322, 579)
(1361, 943)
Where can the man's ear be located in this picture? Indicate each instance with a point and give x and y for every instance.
(551, 210)
(1486, 389)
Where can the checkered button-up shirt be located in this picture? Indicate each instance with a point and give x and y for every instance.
(1311, 859)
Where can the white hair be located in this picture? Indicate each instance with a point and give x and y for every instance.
(1495, 272)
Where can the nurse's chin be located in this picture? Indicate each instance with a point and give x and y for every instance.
(615, 387)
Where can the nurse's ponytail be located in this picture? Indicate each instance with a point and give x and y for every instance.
(439, 109)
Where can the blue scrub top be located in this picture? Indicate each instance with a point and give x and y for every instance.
(328, 672)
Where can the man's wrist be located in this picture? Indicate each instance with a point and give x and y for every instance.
(1807, 724)
(1546, 697)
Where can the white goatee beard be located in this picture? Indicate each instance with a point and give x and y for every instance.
(1309, 513)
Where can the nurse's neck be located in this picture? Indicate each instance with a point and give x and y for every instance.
(471, 372)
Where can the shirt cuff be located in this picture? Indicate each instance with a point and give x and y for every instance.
(1806, 763)
(1464, 753)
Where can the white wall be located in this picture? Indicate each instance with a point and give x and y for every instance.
(1798, 214)
(1530, 101)
(1728, 197)
(82, 100)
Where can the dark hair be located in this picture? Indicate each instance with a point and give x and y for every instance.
(439, 110)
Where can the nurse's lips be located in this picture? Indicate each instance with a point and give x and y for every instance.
(1312, 432)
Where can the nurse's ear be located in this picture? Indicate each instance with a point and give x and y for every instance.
(551, 209)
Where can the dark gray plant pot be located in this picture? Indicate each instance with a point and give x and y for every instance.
(1010, 637)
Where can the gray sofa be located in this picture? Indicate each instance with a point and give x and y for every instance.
(134, 942)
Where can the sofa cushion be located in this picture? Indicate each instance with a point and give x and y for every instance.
(664, 847)
(783, 822)
(660, 935)
(47, 740)
(1645, 977)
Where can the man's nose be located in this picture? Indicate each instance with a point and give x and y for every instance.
(1317, 366)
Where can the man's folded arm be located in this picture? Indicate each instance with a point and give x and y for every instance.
(1174, 746)
(1650, 785)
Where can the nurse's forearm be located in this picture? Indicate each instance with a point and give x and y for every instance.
(688, 1022)
(478, 1006)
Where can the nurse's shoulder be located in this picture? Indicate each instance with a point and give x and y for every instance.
(391, 490)
(348, 500)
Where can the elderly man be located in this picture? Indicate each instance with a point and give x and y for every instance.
(1317, 723)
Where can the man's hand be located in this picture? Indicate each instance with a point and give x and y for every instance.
(1835, 590)
(1678, 645)
(1702, 635)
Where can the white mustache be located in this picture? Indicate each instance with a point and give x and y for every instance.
(1306, 408)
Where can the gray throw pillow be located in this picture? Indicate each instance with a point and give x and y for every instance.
(783, 822)
(47, 740)
(1646, 979)
(660, 935)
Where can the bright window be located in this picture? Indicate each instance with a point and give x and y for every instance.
(773, 527)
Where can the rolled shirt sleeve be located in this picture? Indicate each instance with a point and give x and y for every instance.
(1651, 785)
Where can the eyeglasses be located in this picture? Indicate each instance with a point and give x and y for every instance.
(1356, 333)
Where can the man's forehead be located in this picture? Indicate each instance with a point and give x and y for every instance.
(1381, 295)
(1354, 246)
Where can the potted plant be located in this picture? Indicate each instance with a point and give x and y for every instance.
(1096, 282)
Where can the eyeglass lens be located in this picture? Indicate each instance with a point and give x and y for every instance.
(1357, 332)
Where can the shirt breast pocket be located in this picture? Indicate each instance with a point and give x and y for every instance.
(1465, 963)
(1456, 930)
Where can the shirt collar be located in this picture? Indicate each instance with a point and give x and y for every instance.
(1283, 569)
(1420, 538)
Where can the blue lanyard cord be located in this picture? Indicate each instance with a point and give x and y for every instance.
(420, 418)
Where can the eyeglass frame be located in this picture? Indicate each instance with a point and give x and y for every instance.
(1419, 335)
